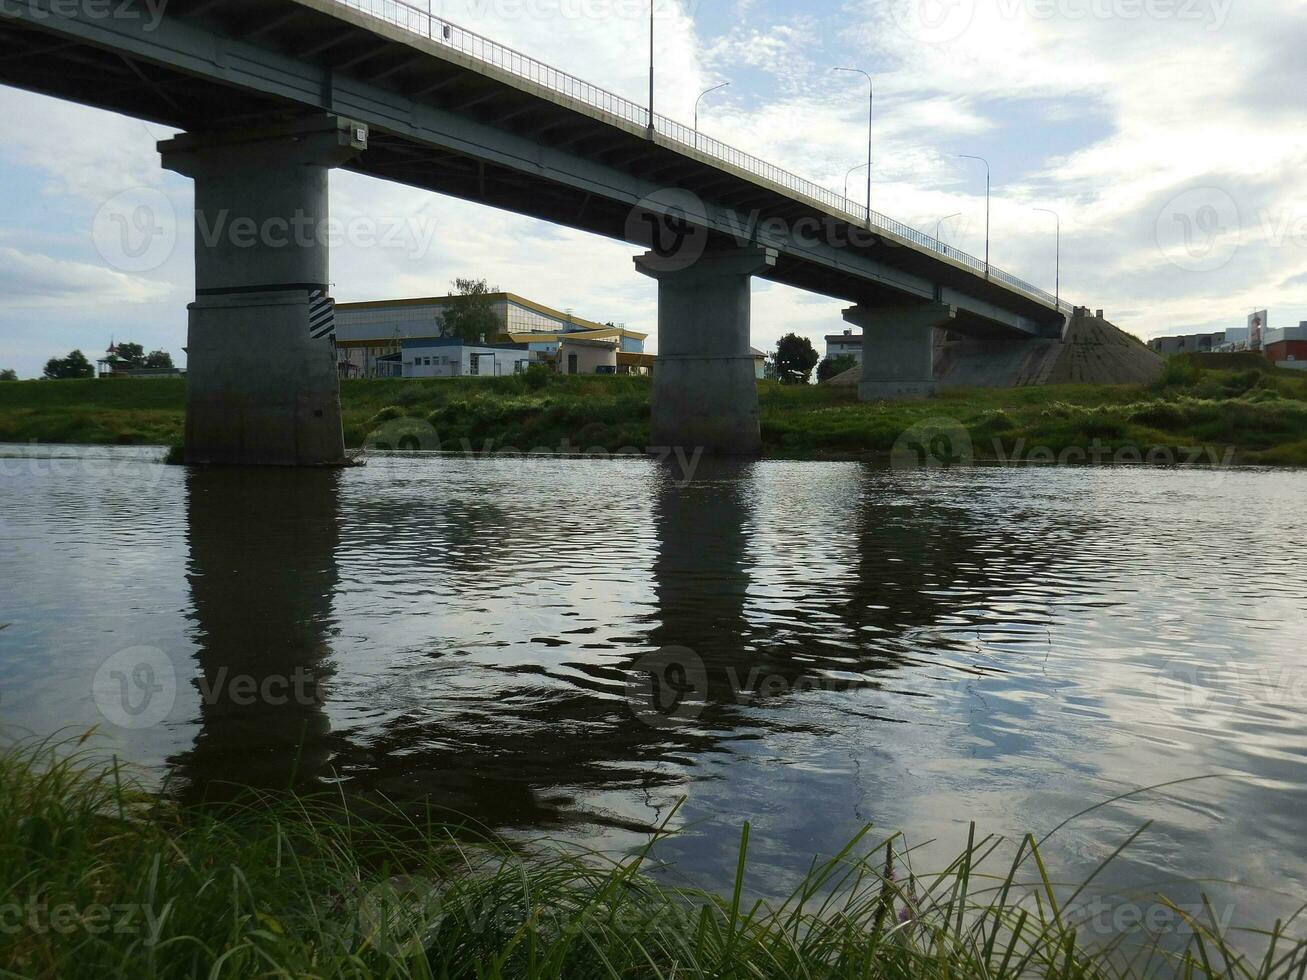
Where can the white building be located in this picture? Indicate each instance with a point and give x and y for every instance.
(369, 335)
(450, 357)
(847, 342)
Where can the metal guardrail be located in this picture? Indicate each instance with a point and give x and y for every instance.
(434, 28)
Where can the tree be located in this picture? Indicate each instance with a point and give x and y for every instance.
(8, 374)
(158, 360)
(833, 367)
(130, 356)
(795, 359)
(471, 313)
(75, 365)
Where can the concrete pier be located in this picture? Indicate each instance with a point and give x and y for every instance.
(898, 349)
(262, 387)
(705, 388)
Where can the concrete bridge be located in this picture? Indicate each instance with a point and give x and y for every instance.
(271, 94)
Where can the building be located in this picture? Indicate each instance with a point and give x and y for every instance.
(369, 335)
(110, 366)
(840, 344)
(1226, 341)
(1287, 347)
(452, 357)
(584, 354)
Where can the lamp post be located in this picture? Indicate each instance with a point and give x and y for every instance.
(871, 115)
(1058, 252)
(940, 223)
(852, 171)
(715, 88)
(968, 156)
(651, 68)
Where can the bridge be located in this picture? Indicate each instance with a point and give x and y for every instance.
(272, 94)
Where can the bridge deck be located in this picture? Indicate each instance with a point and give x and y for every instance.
(458, 114)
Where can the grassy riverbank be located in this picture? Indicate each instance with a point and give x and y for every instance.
(1234, 409)
(100, 879)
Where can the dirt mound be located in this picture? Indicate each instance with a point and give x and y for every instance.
(1092, 351)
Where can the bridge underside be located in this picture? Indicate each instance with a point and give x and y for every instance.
(431, 117)
(443, 122)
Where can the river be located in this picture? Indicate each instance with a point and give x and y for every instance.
(566, 648)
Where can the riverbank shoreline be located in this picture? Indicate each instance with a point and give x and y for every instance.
(1193, 415)
(102, 877)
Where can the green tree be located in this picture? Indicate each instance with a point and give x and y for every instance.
(471, 313)
(8, 374)
(795, 359)
(833, 367)
(130, 356)
(75, 365)
(158, 360)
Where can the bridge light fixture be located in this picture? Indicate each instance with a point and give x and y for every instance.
(715, 88)
(871, 115)
(968, 156)
(1058, 288)
(940, 223)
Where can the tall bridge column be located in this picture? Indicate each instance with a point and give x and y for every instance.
(262, 385)
(898, 349)
(705, 386)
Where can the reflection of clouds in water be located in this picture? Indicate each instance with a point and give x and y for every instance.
(917, 649)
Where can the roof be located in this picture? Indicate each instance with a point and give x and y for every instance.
(585, 340)
(838, 338)
(601, 333)
(420, 343)
(500, 297)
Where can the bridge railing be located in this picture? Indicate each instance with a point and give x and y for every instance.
(434, 28)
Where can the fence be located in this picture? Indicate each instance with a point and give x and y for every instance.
(434, 28)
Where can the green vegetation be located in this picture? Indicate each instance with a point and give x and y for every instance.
(833, 367)
(795, 358)
(471, 314)
(8, 374)
(1241, 406)
(75, 365)
(99, 878)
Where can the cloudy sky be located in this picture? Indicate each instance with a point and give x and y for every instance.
(1171, 136)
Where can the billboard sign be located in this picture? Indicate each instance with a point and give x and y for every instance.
(1256, 330)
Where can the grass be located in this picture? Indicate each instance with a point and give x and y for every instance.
(1238, 407)
(99, 878)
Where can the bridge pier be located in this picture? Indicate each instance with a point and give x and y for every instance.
(705, 386)
(262, 385)
(898, 349)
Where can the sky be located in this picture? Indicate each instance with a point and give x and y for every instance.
(1169, 135)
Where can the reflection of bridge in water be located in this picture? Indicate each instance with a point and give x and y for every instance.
(272, 94)
(448, 662)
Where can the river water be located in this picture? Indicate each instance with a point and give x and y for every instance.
(566, 648)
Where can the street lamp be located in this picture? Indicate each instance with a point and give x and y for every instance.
(940, 223)
(651, 68)
(871, 115)
(852, 171)
(715, 88)
(1059, 252)
(968, 156)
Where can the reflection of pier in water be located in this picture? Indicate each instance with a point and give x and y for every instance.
(518, 730)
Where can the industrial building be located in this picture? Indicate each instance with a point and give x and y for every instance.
(1287, 347)
(404, 338)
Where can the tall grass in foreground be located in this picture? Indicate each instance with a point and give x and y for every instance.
(100, 879)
